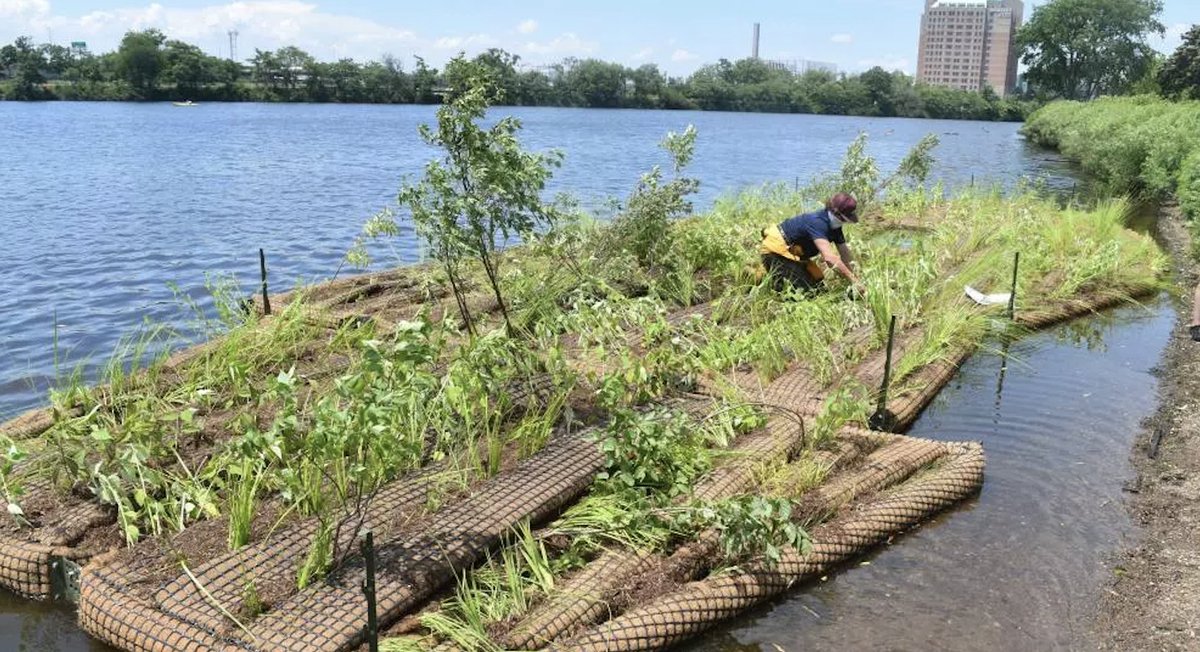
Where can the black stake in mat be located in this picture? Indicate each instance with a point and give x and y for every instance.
(262, 270)
(883, 419)
(368, 587)
(1012, 297)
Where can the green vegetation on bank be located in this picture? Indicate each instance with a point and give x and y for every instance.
(148, 66)
(1144, 145)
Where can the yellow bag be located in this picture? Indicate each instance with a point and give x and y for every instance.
(773, 243)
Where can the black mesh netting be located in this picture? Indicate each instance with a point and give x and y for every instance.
(330, 614)
(699, 605)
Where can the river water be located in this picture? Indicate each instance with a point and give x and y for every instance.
(108, 204)
(1021, 566)
(104, 205)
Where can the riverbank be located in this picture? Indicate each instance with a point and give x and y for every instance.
(1138, 146)
(1152, 601)
(932, 103)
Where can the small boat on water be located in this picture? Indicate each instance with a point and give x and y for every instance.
(187, 103)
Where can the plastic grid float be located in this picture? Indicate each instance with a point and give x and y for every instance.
(588, 596)
(584, 598)
(700, 605)
(24, 564)
(329, 615)
(27, 558)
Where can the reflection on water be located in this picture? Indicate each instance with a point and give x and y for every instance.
(1018, 568)
(37, 627)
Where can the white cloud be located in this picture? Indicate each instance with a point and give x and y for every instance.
(842, 38)
(642, 54)
(468, 42)
(314, 26)
(262, 24)
(567, 44)
(681, 55)
(24, 8)
(889, 62)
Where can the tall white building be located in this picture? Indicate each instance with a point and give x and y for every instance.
(969, 44)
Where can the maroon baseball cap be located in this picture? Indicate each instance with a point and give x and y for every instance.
(844, 205)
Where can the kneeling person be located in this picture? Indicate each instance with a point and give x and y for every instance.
(789, 249)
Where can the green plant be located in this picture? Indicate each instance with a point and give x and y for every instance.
(914, 168)
(845, 405)
(1129, 144)
(654, 451)
(1187, 189)
(503, 586)
(339, 460)
(246, 480)
(858, 176)
(751, 526)
(1082, 49)
(11, 488)
(485, 191)
(643, 226)
(252, 604)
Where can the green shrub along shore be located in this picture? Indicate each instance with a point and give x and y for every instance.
(1144, 145)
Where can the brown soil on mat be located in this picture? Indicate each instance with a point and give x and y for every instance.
(1153, 602)
(45, 509)
(200, 542)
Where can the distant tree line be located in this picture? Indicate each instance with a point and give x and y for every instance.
(149, 66)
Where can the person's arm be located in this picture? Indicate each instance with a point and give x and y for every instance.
(844, 253)
(833, 260)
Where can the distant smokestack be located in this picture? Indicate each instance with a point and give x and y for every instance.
(754, 50)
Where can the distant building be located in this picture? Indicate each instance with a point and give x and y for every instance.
(794, 66)
(969, 44)
(551, 71)
(801, 66)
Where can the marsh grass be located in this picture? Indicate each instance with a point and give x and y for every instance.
(504, 585)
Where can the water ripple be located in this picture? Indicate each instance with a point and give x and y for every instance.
(1019, 567)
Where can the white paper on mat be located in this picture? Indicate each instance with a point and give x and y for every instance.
(987, 299)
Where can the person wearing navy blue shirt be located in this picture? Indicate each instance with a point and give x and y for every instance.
(790, 248)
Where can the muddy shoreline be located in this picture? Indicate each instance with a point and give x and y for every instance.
(1153, 599)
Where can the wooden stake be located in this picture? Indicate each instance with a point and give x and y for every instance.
(262, 269)
(368, 587)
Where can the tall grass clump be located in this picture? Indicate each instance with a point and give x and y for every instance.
(1145, 146)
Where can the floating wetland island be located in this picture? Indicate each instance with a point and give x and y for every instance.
(633, 445)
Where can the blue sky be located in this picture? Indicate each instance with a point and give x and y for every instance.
(679, 36)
